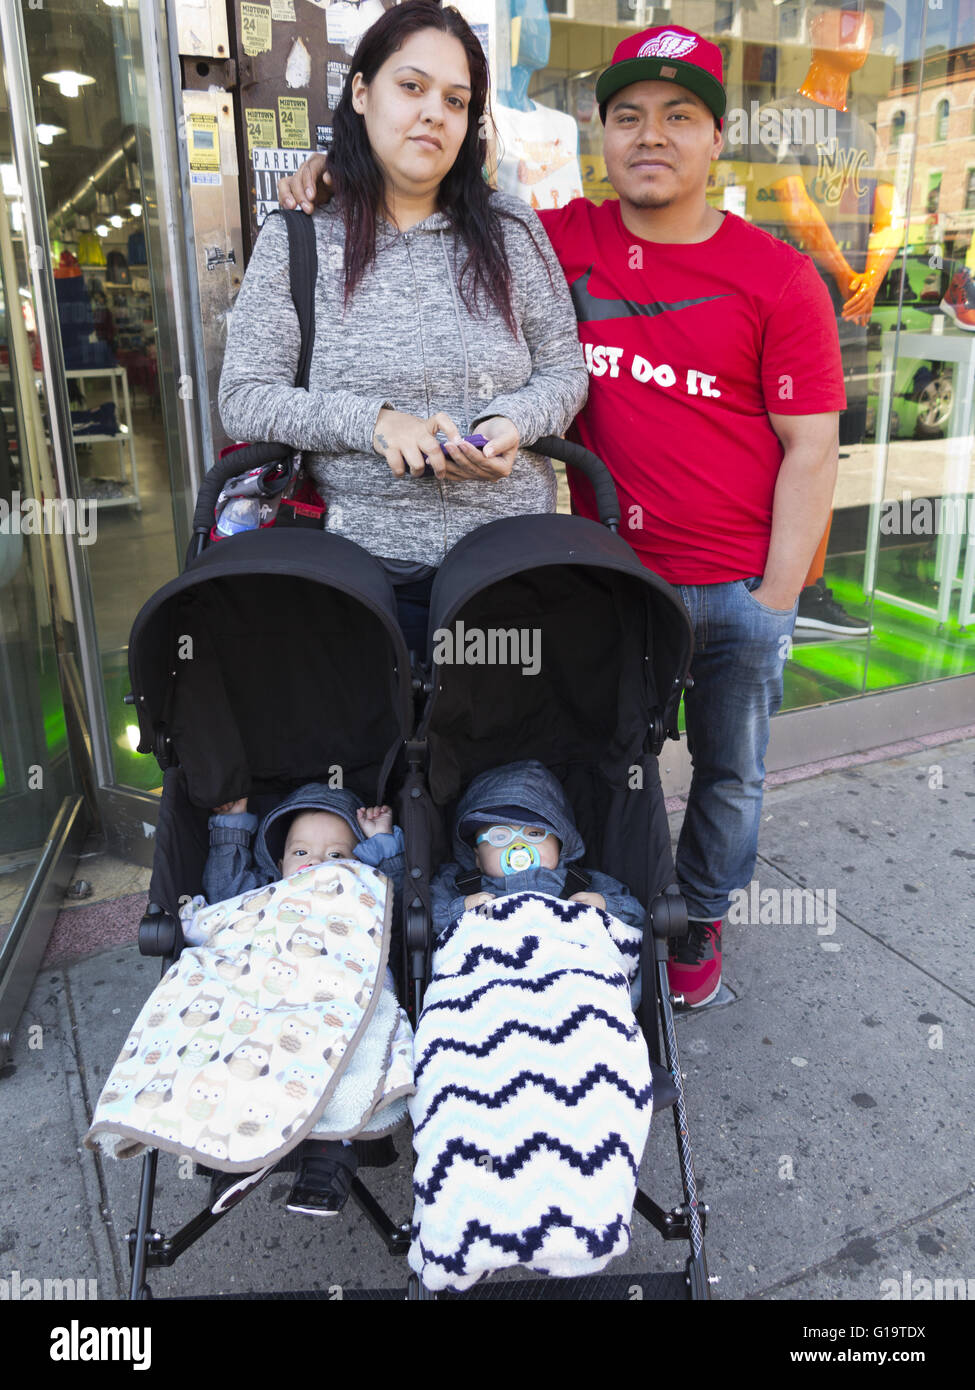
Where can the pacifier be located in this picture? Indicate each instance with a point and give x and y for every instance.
(516, 858)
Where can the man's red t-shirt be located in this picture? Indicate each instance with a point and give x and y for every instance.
(689, 347)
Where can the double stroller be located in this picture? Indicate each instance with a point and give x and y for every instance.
(297, 665)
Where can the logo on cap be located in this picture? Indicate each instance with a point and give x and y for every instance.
(669, 44)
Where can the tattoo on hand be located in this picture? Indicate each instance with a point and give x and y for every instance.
(382, 441)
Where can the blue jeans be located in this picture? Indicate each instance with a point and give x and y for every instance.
(413, 611)
(740, 650)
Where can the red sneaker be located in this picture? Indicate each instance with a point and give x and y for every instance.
(959, 302)
(694, 969)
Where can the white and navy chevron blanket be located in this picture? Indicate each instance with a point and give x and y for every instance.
(533, 1093)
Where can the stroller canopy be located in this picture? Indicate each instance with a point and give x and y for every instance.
(550, 640)
(273, 659)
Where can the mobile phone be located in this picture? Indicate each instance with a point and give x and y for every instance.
(478, 440)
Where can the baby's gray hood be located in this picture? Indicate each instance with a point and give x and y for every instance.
(314, 796)
(530, 786)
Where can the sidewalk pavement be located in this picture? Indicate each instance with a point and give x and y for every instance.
(829, 1105)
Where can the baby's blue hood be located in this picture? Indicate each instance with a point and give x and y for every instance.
(528, 785)
(314, 796)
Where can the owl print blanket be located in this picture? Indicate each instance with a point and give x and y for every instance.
(533, 1093)
(277, 1027)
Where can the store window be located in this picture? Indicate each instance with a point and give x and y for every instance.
(934, 191)
(790, 19)
(970, 191)
(867, 88)
(724, 17)
(941, 118)
(627, 11)
(897, 124)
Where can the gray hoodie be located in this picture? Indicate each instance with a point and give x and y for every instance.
(405, 340)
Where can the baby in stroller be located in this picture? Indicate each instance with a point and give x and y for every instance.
(533, 1083)
(514, 832)
(312, 825)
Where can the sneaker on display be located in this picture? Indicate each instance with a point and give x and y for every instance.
(932, 286)
(959, 301)
(694, 969)
(819, 612)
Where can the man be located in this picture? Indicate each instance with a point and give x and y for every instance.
(715, 388)
(817, 186)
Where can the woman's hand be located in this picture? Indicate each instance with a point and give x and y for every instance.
(497, 458)
(408, 443)
(308, 188)
(231, 808)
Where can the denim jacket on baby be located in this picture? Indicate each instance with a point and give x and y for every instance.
(532, 788)
(233, 866)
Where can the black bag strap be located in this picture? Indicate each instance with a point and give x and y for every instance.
(576, 881)
(469, 883)
(303, 259)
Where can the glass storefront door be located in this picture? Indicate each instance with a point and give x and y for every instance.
(41, 812)
(84, 68)
(94, 471)
(35, 768)
(95, 90)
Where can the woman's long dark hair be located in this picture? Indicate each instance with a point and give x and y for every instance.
(464, 195)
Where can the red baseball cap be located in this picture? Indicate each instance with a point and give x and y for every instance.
(666, 53)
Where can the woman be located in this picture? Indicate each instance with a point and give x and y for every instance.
(440, 307)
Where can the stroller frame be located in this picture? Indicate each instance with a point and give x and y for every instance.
(160, 935)
(148, 1248)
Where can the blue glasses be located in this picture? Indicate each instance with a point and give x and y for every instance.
(502, 835)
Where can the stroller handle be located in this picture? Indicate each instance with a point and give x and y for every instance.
(607, 501)
(265, 455)
(237, 461)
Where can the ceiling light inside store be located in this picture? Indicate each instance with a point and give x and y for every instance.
(116, 220)
(11, 184)
(135, 209)
(46, 132)
(101, 229)
(69, 81)
(114, 4)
